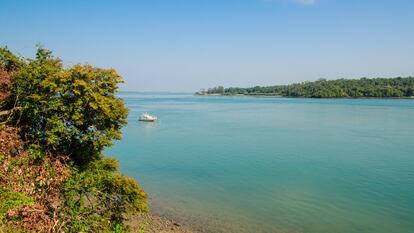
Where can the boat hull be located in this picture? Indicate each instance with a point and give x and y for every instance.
(147, 120)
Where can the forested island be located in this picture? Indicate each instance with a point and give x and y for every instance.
(400, 87)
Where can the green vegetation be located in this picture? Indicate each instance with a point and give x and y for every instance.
(341, 88)
(72, 111)
(10, 200)
(55, 122)
(142, 227)
(98, 194)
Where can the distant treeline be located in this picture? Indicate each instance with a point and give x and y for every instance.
(340, 88)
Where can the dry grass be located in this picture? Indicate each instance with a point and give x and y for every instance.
(4, 84)
(39, 180)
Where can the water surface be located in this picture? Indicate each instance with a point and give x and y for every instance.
(246, 164)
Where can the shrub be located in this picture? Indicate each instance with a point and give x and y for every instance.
(98, 192)
(10, 200)
(35, 153)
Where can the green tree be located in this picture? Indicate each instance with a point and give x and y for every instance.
(72, 111)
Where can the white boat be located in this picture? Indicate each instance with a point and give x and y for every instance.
(147, 117)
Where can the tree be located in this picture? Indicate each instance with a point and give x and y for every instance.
(61, 112)
(71, 111)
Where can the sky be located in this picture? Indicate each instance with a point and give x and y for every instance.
(186, 45)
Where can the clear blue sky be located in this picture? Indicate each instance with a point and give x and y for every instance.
(184, 45)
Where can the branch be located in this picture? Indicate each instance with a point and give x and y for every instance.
(7, 112)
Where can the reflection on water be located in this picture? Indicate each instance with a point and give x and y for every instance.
(149, 126)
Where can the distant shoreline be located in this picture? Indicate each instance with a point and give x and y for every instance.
(302, 97)
(399, 87)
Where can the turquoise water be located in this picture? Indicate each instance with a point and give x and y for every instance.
(245, 164)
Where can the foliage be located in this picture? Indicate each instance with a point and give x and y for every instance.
(21, 172)
(341, 88)
(8, 60)
(142, 227)
(58, 122)
(216, 90)
(10, 200)
(70, 111)
(4, 83)
(10, 142)
(98, 193)
(35, 153)
(8, 64)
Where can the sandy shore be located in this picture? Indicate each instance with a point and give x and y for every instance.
(155, 224)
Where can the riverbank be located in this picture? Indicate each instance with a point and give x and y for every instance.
(280, 96)
(150, 223)
(323, 88)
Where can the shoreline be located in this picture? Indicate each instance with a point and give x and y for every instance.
(303, 97)
(152, 223)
